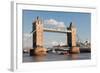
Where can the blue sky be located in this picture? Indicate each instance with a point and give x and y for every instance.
(82, 22)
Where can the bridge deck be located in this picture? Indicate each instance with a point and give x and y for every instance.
(55, 30)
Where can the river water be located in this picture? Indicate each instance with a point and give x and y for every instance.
(55, 57)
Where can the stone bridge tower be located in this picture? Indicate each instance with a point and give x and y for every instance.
(71, 38)
(37, 30)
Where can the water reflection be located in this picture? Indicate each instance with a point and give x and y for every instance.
(39, 58)
(74, 56)
(56, 57)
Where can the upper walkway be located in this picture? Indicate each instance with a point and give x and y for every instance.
(56, 30)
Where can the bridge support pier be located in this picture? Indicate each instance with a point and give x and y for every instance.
(74, 50)
(38, 51)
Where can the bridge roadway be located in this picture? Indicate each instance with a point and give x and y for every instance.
(55, 30)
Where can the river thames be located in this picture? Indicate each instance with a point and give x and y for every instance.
(55, 57)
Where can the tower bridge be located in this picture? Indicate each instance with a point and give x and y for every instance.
(37, 32)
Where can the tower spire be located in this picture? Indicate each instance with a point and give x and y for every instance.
(72, 25)
(37, 18)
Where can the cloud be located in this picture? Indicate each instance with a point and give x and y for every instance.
(27, 35)
(58, 43)
(27, 40)
(50, 22)
(62, 43)
(54, 23)
(54, 43)
(61, 25)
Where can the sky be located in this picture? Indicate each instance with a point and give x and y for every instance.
(53, 19)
